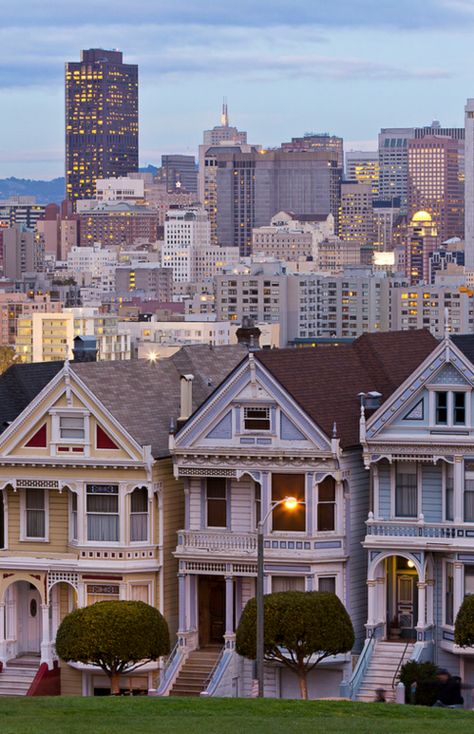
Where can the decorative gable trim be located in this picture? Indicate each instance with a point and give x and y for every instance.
(223, 429)
(103, 440)
(288, 430)
(417, 413)
(445, 354)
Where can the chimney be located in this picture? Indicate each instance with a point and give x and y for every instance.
(248, 334)
(373, 400)
(186, 407)
(85, 349)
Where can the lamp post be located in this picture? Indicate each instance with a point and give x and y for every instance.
(290, 503)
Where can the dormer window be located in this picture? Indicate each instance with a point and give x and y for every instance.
(257, 419)
(450, 408)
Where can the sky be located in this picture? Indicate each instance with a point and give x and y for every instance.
(287, 67)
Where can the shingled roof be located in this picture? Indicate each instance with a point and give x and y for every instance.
(142, 396)
(325, 381)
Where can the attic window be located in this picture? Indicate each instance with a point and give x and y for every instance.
(257, 419)
(72, 427)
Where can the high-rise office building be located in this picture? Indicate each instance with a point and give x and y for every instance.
(356, 221)
(101, 120)
(178, 173)
(363, 166)
(434, 183)
(317, 142)
(469, 184)
(393, 164)
(224, 133)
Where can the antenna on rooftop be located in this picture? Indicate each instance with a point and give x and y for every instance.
(225, 113)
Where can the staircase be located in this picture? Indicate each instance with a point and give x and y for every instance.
(383, 665)
(17, 677)
(196, 672)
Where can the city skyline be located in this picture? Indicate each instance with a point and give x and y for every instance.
(336, 61)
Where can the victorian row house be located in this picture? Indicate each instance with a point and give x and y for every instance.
(147, 481)
(89, 506)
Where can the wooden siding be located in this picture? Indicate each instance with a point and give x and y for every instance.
(242, 496)
(173, 514)
(384, 470)
(71, 681)
(58, 524)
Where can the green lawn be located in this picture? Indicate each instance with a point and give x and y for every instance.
(221, 716)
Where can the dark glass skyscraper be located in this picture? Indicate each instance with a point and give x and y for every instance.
(101, 120)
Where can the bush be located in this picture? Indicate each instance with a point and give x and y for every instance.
(464, 625)
(424, 674)
(310, 625)
(118, 636)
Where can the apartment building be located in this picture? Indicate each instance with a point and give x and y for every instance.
(291, 236)
(15, 305)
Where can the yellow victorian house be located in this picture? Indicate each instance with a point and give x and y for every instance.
(89, 506)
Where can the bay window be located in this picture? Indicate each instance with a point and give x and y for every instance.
(326, 513)
(102, 512)
(216, 500)
(35, 513)
(406, 490)
(139, 515)
(289, 485)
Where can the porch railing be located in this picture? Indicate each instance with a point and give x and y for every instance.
(417, 529)
(170, 669)
(353, 685)
(217, 672)
(197, 540)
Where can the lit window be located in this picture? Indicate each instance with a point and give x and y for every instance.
(289, 485)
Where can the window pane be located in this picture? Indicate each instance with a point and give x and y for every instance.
(216, 488)
(449, 492)
(406, 491)
(442, 408)
(327, 583)
(102, 503)
(139, 500)
(138, 526)
(468, 580)
(257, 419)
(449, 600)
(459, 400)
(288, 583)
(289, 485)
(35, 499)
(469, 501)
(72, 427)
(103, 527)
(35, 524)
(326, 516)
(216, 513)
(327, 490)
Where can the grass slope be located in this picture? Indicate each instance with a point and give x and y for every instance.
(221, 716)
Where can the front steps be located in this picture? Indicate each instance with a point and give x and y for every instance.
(196, 671)
(17, 677)
(382, 668)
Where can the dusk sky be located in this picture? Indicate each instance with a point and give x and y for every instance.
(286, 67)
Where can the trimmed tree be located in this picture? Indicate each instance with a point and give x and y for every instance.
(464, 624)
(301, 628)
(118, 636)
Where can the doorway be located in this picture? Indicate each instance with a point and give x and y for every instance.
(211, 590)
(29, 618)
(402, 598)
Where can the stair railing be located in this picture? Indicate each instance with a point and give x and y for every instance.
(215, 676)
(361, 665)
(169, 669)
(400, 663)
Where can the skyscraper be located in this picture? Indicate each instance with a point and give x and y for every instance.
(101, 120)
(469, 184)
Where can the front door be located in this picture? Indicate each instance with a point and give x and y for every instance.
(211, 610)
(30, 619)
(406, 603)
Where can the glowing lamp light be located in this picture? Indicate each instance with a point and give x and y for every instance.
(410, 564)
(291, 503)
(152, 356)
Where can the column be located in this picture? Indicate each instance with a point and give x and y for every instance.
(46, 652)
(182, 602)
(229, 635)
(458, 490)
(421, 606)
(458, 587)
(3, 650)
(430, 603)
(372, 602)
(309, 496)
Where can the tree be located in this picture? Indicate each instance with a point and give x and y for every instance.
(464, 624)
(118, 636)
(301, 628)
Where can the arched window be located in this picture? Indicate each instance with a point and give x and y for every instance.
(139, 515)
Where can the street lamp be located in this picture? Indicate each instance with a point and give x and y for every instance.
(290, 503)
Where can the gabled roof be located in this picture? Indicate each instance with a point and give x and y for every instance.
(142, 396)
(325, 381)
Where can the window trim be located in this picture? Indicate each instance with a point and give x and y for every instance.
(444, 479)
(446, 563)
(111, 543)
(130, 513)
(58, 413)
(226, 500)
(326, 502)
(23, 522)
(450, 390)
(267, 408)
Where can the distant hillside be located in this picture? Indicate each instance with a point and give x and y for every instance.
(46, 192)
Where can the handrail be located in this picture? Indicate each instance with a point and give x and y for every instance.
(362, 663)
(216, 673)
(400, 662)
(169, 668)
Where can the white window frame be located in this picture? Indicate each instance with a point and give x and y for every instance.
(268, 410)
(444, 490)
(446, 562)
(72, 539)
(449, 389)
(148, 514)
(23, 522)
(419, 488)
(104, 543)
(56, 415)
